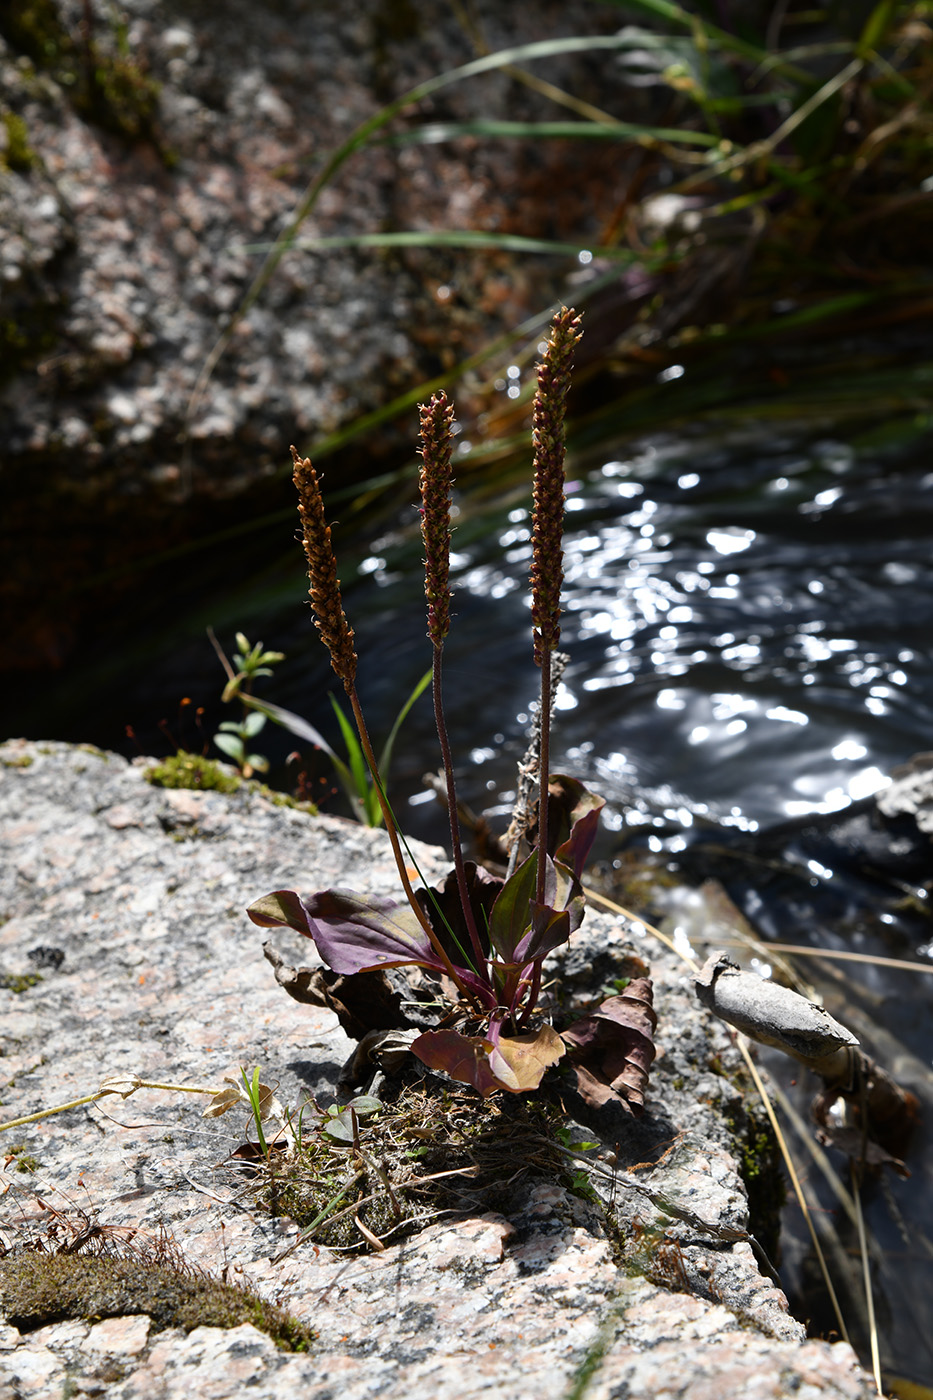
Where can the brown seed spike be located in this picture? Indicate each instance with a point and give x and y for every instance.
(436, 445)
(550, 404)
(330, 619)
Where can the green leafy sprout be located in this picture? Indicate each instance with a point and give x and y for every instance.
(352, 769)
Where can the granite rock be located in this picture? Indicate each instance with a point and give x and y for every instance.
(142, 890)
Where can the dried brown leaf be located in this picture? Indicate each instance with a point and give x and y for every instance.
(612, 1049)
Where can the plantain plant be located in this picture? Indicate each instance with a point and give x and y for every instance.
(483, 939)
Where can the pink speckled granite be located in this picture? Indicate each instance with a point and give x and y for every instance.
(163, 976)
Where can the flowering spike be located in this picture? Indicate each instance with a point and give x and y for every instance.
(547, 573)
(436, 443)
(330, 618)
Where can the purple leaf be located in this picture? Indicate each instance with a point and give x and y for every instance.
(352, 934)
(573, 817)
(583, 821)
(445, 911)
(281, 909)
(549, 929)
(523, 931)
(612, 1049)
(469, 1059)
(514, 1063)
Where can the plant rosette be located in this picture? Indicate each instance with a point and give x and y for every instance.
(482, 939)
(493, 1037)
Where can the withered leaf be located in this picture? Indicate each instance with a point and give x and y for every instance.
(469, 1059)
(514, 1063)
(612, 1048)
(224, 1100)
(879, 1110)
(530, 1055)
(228, 1098)
(861, 1149)
(250, 1152)
(362, 1001)
(770, 1013)
(124, 1085)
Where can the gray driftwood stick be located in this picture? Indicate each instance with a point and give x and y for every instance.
(772, 1014)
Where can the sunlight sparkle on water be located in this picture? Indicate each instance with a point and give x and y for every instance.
(669, 700)
(781, 712)
(849, 749)
(731, 539)
(680, 940)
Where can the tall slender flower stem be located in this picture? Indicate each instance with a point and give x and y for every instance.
(547, 573)
(337, 635)
(436, 446)
(396, 844)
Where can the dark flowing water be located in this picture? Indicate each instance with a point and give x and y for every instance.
(747, 623)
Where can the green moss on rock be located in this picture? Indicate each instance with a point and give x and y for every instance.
(104, 82)
(17, 153)
(38, 1288)
(20, 760)
(18, 982)
(191, 770)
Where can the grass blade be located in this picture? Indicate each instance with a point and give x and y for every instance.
(866, 1276)
(385, 758)
(795, 1182)
(359, 788)
(455, 238)
(358, 138)
(432, 133)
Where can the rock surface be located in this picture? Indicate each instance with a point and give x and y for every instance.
(142, 890)
(123, 256)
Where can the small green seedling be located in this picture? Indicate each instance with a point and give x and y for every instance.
(235, 736)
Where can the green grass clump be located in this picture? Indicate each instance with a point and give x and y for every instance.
(191, 770)
(37, 1289)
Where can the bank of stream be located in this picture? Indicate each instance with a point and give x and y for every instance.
(747, 601)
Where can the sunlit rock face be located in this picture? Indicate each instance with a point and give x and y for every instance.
(130, 237)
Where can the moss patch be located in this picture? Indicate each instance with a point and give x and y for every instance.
(190, 770)
(282, 799)
(762, 1170)
(17, 153)
(21, 1160)
(38, 1289)
(20, 982)
(105, 83)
